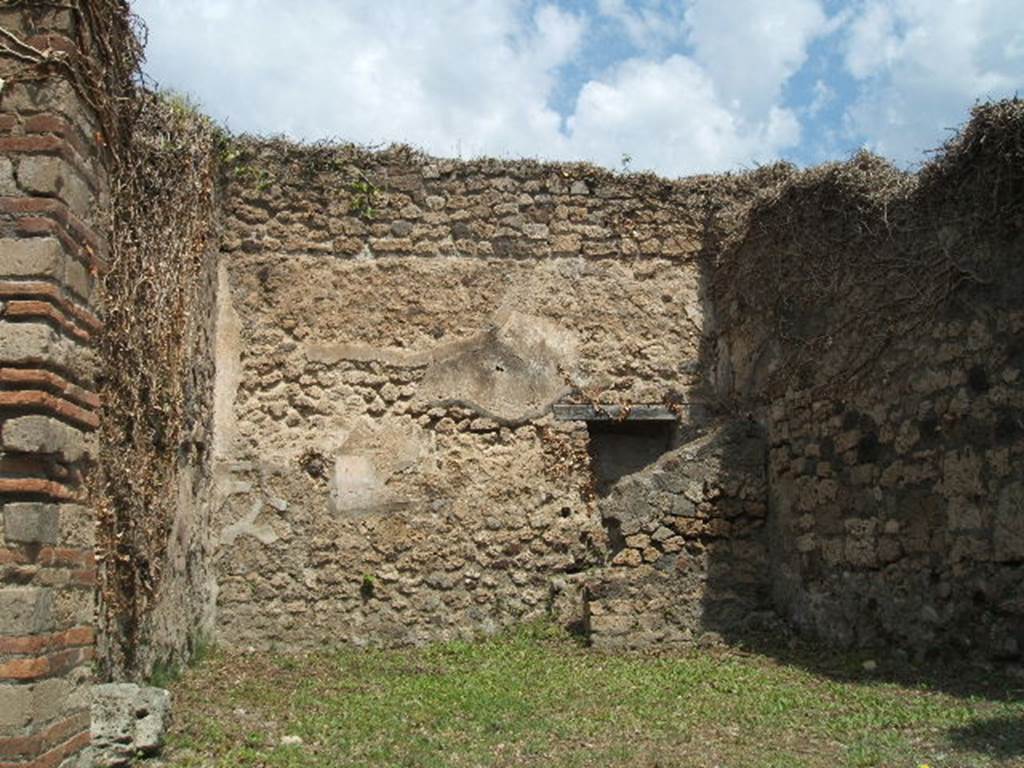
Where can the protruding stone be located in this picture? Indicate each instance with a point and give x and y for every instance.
(128, 721)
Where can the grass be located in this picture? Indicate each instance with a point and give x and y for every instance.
(534, 697)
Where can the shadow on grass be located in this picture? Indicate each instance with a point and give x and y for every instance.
(1000, 737)
(948, 674)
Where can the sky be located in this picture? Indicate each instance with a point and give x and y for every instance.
(677, 87)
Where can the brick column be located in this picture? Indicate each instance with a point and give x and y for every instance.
(52, 185)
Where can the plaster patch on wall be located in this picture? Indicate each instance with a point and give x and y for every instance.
(512, 372)
(249, 526)
(228, 365)
(371, 460)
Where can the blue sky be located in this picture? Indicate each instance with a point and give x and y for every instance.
(674, 86)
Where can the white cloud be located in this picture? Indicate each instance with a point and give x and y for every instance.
(650, 25)
(667, 115)
(750, 48)
(823, 96)
(477, 76)
(473, 74)
(920, 63)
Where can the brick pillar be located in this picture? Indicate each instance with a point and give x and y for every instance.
(52, 185)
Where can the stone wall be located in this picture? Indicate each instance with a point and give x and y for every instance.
(156, 441)
(388, 467)
(368, 451)
(689, 550)
(394, 330)
(896, 509)
(52, 191)
(179, 618)
(898, 515)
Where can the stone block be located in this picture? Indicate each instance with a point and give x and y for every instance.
(962, 473)
(1008, 531)
(73, 607)
(963, 516)
(43, 257)
(15, 706)
(611, 624)
(128, 721)
(53, 176)
(806, 543)
(42, 174)
(35, 343)
(77, 526)
(42, 434)
(25, 610)
(49, 698)
(8, 186)
(31, 523)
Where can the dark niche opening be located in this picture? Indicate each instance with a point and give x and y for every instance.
(621, 448)
(623, 438)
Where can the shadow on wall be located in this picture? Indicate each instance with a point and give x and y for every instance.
(894, 524)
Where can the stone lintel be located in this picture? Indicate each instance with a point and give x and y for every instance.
(608, 412)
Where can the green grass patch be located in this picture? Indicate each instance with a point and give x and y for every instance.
(534, 697)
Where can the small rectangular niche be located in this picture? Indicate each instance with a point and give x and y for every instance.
(614, 413)
(623, 439)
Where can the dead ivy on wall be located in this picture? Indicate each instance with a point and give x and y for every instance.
(825, 268)
(161, 157)
(154, 313)
(103, 67)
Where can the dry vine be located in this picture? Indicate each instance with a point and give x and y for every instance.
(838, 262)
(155, 416)
(161, 157)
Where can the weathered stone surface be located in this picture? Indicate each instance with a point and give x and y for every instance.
(36, 343)
(1008, 531)
(128, 722)
(395, 393)
(31, 523)
(889, 508)
(709, 577)
(26, 610)
(53, 176)
(8, 186)
(43, 434)
(43, 257)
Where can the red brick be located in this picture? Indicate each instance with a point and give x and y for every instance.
(57, 210)
(15, 556)
(50, 557)
(36, 486)
(41, 144)
(34, 309)
(36, 644)
(85, 578)
(49, 123)
(55, 757)
(36, 377)
(51, 405)
(10, 288)
(50, 665)
(40, 743)
(64, 557)
(25, 669)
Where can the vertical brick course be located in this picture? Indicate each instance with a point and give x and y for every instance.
(51, 253)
